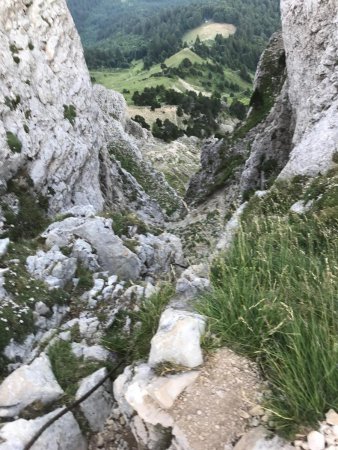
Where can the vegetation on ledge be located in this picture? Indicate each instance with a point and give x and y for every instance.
(274, 298)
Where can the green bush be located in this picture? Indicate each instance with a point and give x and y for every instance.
(274, 299)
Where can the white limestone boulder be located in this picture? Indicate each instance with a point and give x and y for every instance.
(178, 339)
(28, 384)
(97, 408)
(52, 267)
(90, 353)
(64, 434)
(144, 400)
(165, 390)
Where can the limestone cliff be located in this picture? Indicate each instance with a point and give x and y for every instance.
(310, 32)
(46, 104)
(55, 128)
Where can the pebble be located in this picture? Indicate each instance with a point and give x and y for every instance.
(332, 417)
(257, 411)
(244, 414)
(316, 441)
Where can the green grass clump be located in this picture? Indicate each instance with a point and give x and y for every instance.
(134, 345)
(31, 219)
(274, 299)
(68, 369)
(13, 142)
(69, 113)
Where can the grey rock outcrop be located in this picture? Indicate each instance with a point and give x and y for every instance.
(260, 439)
(52, 267)
(64, 434)
(97, 407)
(47, 104)
(27, 385)
(112, 255)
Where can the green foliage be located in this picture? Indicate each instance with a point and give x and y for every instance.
(134, 344)
(141, 120)
(167, 131)
(203, 111)
(16, 316)
(12, 103)
(238, 109)
(115, 33)
(13, 142)
(85, 277)
(69, 113)
(31, 219)
(274, 298)
(68, 369)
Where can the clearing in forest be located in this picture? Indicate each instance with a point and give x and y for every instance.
(208, 31)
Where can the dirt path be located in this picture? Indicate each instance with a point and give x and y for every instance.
(213, 412)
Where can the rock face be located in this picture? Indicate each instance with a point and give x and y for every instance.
(47, 104)
(98, 406)
(58, 130)
(310, 33)
(27, 385)
(64, 434)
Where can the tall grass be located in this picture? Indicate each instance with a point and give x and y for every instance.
(275, 299)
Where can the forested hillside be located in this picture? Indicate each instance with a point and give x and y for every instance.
(114, 32)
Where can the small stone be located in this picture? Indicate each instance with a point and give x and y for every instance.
(199, 412)
(316, 441)
(257, 411)
(331, 417)
(244, 414)
(100, 441)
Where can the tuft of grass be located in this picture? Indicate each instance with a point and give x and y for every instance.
(274, 299)
(133, 343)
(68, 369)
(85, 277)
(31, 219)
(13, 142)
(69, 113)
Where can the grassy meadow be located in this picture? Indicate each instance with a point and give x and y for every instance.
(208, 31)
